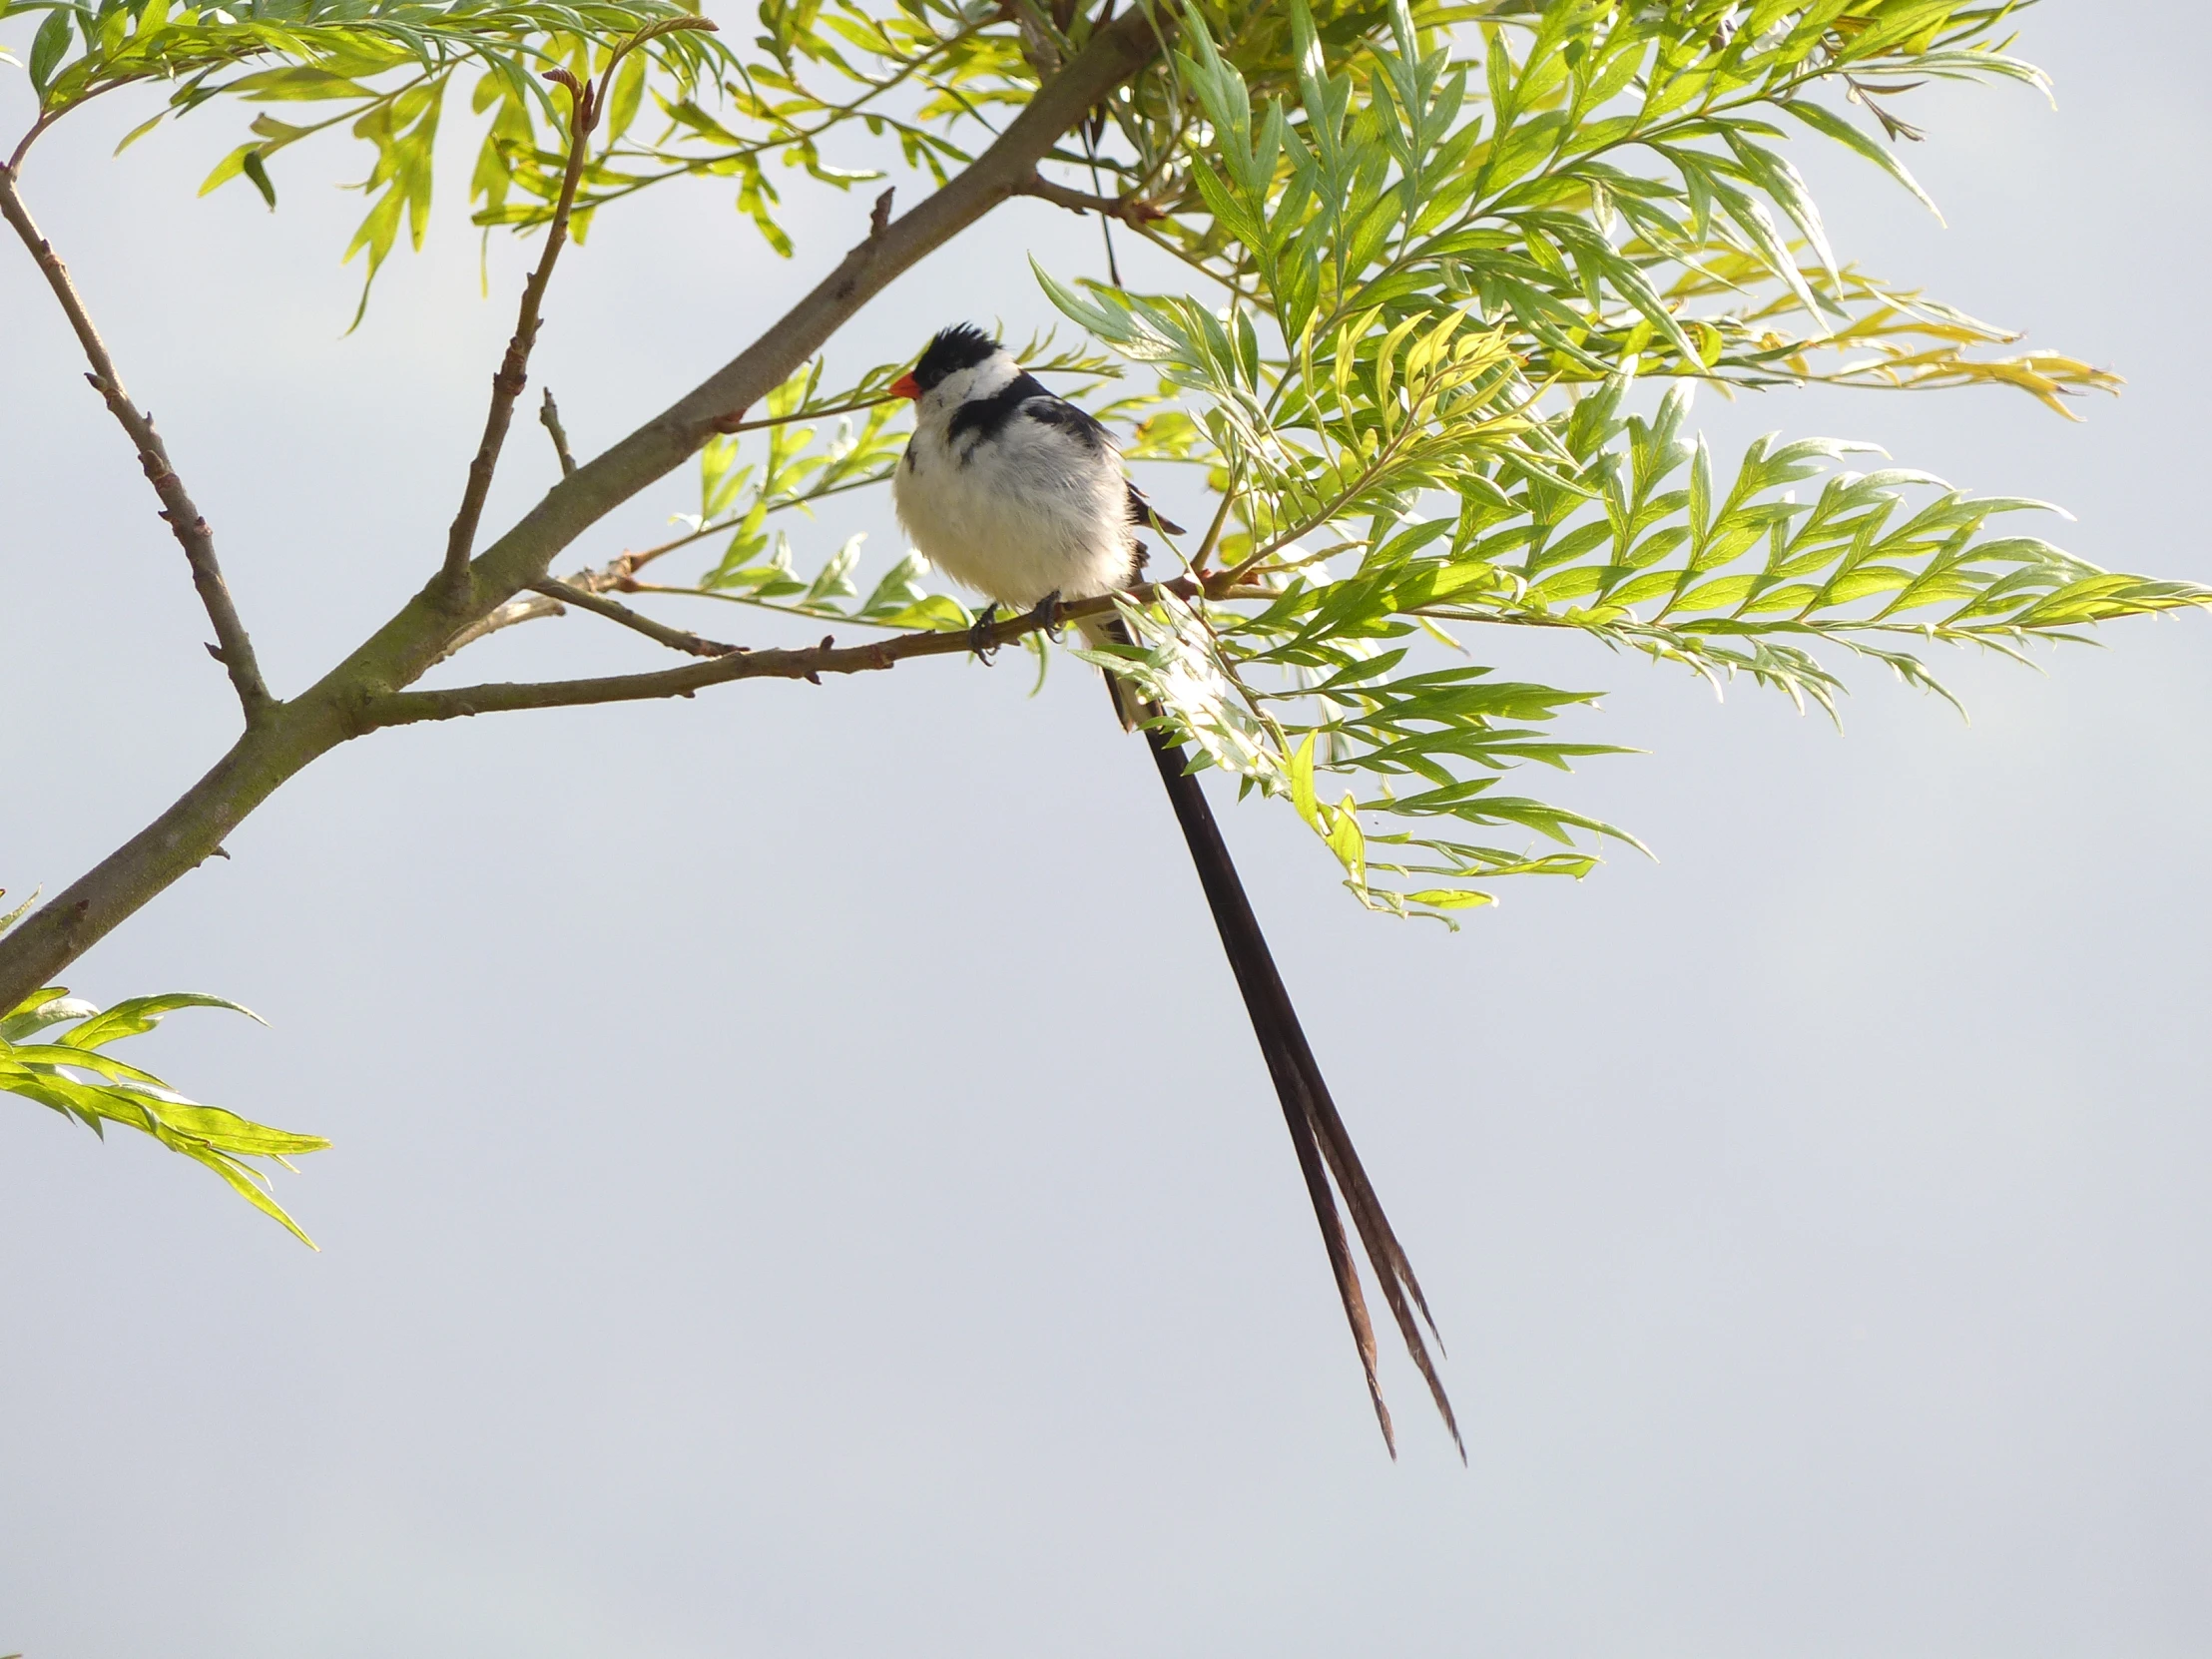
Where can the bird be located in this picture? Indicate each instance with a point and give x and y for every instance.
(1015, 492)
(1021, 496)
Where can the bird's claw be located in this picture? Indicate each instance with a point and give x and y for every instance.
(1048, 615)
(979, 636)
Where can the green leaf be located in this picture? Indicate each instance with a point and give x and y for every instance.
(1828, 124)
(139, 1014)
(41, 1009)
(627, 95)
(47, 47)
(140, 131)
(250, 164)
(835, 580)
(19, 913)
(211, 1136)
(1449, 899)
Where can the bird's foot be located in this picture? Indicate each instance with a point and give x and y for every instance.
(1048, 615)
(980, 637)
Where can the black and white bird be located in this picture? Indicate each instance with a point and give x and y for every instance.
(1021, 496)
(1012, 491)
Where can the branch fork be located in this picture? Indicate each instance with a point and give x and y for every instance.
(1133, 211)
(467, 594)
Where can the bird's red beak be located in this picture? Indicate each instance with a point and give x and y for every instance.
(905, 386)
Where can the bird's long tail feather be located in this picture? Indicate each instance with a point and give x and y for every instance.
(1317, 1133)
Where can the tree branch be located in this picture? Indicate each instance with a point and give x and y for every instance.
(234, 649)
(675, 639)
(408, 708)
(615, 574)
(283, 742)
(405, 647)
(422, 632)
(514, 368)
(1130, 210)
(46, 119)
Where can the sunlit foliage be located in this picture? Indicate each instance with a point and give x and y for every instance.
(1454, 270)
(67, 1071)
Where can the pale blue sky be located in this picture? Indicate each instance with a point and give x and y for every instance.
(743, 1238)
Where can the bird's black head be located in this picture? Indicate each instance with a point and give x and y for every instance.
(962, 345)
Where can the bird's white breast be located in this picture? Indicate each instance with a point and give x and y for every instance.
(1017, 514)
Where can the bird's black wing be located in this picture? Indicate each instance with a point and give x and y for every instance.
(1060, 413)
(1029, 397)
(1025, 395)
(1086, 431)
(1144, 513)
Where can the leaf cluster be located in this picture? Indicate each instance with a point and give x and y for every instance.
(1447, 277)
(67, 1071)
(1455, 242)
(1464, 260)
(382, 70)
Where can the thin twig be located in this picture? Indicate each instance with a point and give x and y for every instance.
(613, 576)
(549, 415)
(675, 639)
(234, 649)
(1221, 518)
(644, 556)
(1091, 129)
(514, 368)
(755, 602)
(1248, 296)
(810, 414)
(1130, 210)
(46, 119)
(791, 138)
